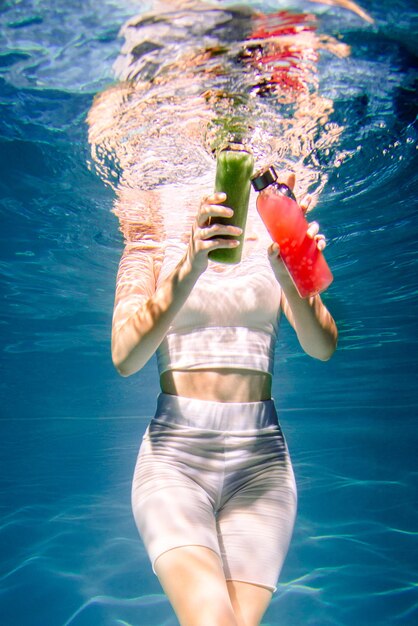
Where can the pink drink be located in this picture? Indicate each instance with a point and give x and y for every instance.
(287, 226)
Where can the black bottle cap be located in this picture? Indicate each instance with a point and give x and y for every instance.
(264, 178)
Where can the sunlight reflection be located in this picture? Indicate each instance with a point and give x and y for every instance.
(185, 90)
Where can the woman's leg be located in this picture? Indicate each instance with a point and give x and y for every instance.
(249, 602)
(194, 581)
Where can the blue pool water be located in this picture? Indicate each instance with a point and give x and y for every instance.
(70, 426)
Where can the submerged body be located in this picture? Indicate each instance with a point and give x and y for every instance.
(213, 495)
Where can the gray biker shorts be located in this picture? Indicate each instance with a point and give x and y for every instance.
(217, 475)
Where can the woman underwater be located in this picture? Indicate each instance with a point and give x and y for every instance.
(213, 495)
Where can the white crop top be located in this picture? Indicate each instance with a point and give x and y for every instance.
(230, 319)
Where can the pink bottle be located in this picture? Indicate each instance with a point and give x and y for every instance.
(287, 225)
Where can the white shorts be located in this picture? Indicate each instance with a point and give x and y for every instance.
(217, 475)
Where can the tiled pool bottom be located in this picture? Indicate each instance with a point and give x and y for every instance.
(71, 553)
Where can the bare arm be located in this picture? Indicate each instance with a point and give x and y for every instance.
(144, 313)
(313, 323)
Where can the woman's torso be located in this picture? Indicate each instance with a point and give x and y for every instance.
(223, 385)
(226, 298)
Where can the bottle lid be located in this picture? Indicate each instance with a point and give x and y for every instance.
(235, 146)
(264, 178)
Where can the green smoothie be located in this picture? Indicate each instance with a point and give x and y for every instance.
(234, 168)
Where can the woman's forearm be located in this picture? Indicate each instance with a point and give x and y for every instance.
(136, 339)
(314, 325)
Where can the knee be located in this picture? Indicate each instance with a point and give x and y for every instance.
(221, 616)
(205, 609)
(193, 579)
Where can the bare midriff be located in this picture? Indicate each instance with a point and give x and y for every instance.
(218, 385)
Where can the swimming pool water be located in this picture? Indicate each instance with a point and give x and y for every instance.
(70, 427)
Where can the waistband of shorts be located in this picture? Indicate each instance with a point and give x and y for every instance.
(221, 416)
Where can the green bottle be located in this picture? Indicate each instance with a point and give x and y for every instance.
(234, 168)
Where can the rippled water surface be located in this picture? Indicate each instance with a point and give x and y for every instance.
(70, 427)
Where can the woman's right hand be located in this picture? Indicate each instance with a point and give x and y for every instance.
(206, 233)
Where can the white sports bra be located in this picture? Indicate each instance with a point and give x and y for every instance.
(230, 319)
